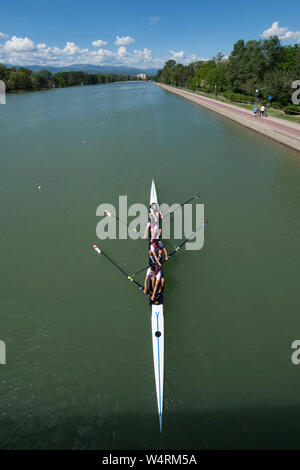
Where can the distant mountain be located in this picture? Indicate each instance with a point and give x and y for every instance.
(89, 69)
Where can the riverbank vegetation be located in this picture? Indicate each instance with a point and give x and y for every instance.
(254, 71)
(24, 79)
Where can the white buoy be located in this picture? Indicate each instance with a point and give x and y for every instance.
(39, 187)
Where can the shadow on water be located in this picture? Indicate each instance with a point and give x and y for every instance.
(255, 428)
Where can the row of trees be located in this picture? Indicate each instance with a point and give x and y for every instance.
(25, 79)
(265, 65)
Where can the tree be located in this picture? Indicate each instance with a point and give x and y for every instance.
(19, 80)
(246, 66)
(218, 58)
(170, 64)
(273, 52)
(297, 61)
(44, 77)
(278, 83)
(288, 59)
(3, 73)
(35, 82)
(59, 80)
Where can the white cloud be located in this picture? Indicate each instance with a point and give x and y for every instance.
(71, 48)
(181, 58)
(23, 51)
(282, 32)
(19, 44)
(122, 52)
(100, 53)
(177, 55)
(145, 54)
(3, 35)
(154, 20)
(124, 41)
(99, 43)
(41, 46)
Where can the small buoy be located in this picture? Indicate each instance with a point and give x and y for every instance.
(39, 187)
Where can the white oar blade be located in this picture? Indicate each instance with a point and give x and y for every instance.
(97, 249)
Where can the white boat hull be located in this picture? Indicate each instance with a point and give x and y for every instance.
(157, 321)
(153, 195)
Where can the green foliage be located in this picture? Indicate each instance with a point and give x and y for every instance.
(292, 109)
(246, 67)
(25, 79)
(238, 97)
(278, 82)
(264, 65)
(3, 73)
(59, 80)
(274, 52)
(19, 80)
(276, 104)
(297, 60)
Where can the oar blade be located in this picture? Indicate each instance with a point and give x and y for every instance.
(97, 249)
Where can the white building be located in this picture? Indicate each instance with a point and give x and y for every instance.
(141, 76)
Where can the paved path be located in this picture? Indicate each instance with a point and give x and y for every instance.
(286, 132)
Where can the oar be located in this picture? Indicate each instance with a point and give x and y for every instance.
(101, 252)
(181, 205)
(176, 249)
(141, 270)
(109, 214)
(186, 240)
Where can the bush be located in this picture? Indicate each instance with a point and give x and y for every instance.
(276, 104)
(292, 109)
(237, 96)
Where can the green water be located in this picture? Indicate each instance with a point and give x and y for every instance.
(79, 370)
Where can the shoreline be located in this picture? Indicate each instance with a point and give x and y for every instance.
(284, 132)
(23, 91)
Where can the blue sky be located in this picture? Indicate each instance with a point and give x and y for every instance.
(63, 32)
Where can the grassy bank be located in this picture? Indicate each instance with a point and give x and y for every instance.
(274, 112)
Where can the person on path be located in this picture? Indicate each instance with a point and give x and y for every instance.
(262, 111)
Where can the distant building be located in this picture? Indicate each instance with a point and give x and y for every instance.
(141, 76)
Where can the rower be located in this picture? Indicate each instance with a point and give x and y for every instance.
(154, 215)
(155, 276)
(155, 251)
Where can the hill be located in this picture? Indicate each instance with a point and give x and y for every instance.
(89, 69)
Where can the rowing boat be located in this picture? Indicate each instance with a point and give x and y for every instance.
(157, 305)
(157, 323)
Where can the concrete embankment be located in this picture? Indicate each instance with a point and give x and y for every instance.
(285, 132)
